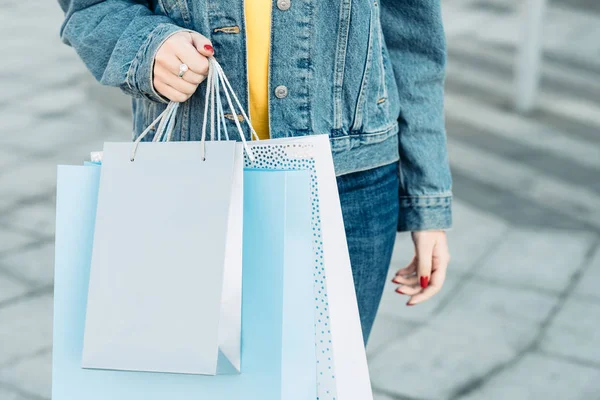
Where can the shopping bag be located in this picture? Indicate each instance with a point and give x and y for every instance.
(165, 244)
(342, 369)
(165, 283)
(277, 333)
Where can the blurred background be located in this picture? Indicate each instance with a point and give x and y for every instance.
(519, 317)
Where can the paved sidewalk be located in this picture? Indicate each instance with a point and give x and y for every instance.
(519, 316)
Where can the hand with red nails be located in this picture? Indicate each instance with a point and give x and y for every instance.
(424, 276)
(189, 48)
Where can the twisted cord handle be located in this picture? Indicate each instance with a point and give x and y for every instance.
(213, 112)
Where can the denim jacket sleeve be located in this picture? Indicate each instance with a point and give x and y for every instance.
(117, 40)
(416, 43)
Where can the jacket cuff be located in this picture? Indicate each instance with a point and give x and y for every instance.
(425, 213)
(140, 74)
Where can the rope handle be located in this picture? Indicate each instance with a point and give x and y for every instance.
(213, 111)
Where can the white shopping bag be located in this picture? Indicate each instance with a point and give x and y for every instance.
(342, 371)
(166, 274)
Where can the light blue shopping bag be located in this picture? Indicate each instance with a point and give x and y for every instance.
(278, 350)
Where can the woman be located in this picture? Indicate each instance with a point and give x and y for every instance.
(306, 67)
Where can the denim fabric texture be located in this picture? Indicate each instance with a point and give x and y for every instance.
(370, 208)
(369, 73)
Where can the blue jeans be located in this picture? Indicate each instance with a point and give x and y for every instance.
(370, 208)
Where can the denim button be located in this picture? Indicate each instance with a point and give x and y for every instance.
(284, 4)
(281, 92)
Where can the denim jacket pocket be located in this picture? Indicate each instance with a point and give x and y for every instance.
(372, 112)
(177, 10)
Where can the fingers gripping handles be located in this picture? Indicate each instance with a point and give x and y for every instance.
(213, 113)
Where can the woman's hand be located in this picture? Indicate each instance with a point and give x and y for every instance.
(426, 273)
(188, 48)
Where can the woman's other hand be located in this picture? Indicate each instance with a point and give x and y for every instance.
(188, 48)
(424, 276)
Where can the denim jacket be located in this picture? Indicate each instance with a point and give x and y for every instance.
(369, 73)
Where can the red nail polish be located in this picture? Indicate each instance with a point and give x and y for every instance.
(424, 281)
(400, 291)
(208, 47)
(409, 304)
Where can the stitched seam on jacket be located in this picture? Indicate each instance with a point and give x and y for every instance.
(437, 196)
(340, 62)
(384, 131)
(358, 115)
(135, 63)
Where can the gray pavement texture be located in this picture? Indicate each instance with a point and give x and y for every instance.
(520, 313)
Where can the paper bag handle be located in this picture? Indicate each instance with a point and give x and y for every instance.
(215, 80)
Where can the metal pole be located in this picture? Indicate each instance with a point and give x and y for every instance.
(529, 55)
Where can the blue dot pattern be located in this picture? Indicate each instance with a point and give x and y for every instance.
(297, 157)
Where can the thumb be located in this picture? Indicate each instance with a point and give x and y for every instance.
(424, 249)
(202, 44)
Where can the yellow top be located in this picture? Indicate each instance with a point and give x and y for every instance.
(258, 41)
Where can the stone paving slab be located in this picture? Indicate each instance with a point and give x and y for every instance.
(542, 259)
(35, 265)
(488, 70)
(8, 158)
(10, 288)
(588, 282)
(472, 236)
(387, 329)
(6, 394)
(7, 201)
(11, 240)
(574, 332)
(538, 376)
(380, 396)
(38, 367)
(494, 300)
(31, 178)
(486, 326)
(58, 134)
(59, 102)
(580, 202)
(526, 134)
(25, 329)
(37, 219)
(446, 354)
(569, 32)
